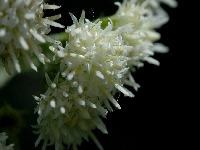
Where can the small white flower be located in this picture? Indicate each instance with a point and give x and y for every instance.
(22, 28)
(3, 146)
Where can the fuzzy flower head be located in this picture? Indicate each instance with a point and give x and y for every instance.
(92, 65)
(66, 117)
(22, 28)
(3, 146)
(141, 36)
(94, 60)
(145, 17)
(61, 122)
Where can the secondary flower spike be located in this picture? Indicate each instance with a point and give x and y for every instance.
(22, 29)
(145, 17)
(142, 35)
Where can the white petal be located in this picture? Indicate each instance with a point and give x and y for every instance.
(37, 36)
(92, 105)
(159, 48)
(152, 61)
(23, 43)
(14, 59)
(46, 6)
(124, 90)
(52, 23)
(28, 60)
(39, 55)
(171, 3)
(111, 98)
(56, 17)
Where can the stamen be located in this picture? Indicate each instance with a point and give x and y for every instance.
(2, 32)
(29, 16)
(53, 85)
(99, 74)
(62, 110)
(80, 89)
(81, 102)
(53, 103)
(64, 93)
(71, 75)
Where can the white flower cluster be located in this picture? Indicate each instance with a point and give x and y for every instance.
(92, 65)
(3, 146)
(145, 17)
(22, 28)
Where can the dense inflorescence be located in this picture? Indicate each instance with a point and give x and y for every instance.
(22, 29)
(92, 64)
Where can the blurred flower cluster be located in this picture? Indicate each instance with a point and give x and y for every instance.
(95, 63)
(3, 146)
